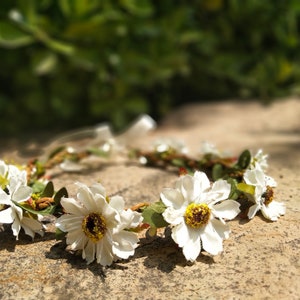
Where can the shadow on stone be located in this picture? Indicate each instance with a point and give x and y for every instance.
(8, 241)
(163, 253)
(58, 251)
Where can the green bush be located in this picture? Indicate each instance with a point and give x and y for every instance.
(71, 63)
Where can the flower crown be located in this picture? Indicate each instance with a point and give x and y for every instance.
(210, 190)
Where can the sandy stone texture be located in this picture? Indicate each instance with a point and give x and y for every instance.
(260, 259)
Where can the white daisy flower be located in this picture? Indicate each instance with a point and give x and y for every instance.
(13, 214)
(16, 177)
(263, 195)
(171, 145)
(210, 149)
(11, 176)
(259, 160)
(196, 211)
(103, 138)
(99, 225)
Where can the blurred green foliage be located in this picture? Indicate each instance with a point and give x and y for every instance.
(71, 63)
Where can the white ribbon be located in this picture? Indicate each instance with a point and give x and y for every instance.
(101, 137)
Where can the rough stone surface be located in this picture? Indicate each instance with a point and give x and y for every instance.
(260, 259)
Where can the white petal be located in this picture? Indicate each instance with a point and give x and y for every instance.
(22, 193)
(85, 196)
(259, 190)
(220, 191)
(270, 181)
(211, 240)
(16, 227)
(4, 198)
(261, 159)
(227, 209)
(98, 188)
(202, 180)
(18, 211)
(173, 216)
(136, 219)
(88, 252)
(117, 202)
(192, 248)
(124, 244)
(221, 228)
(172, 198)
(76, 239)
(104, 251)
(112, 217)
(73, 207)
(278, 206)
(73, 236)
(7, 216)
(129, 219)
(180, 234)
(190, 187)
(16, 178)
(253, 210)
(68, 222)
(254, 177)
(31, 226)
(273, 210)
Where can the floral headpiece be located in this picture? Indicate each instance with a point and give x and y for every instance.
(210, 190)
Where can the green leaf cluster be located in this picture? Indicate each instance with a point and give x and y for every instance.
(234, 175)
(152, 215)
(40, 190)
(220, 171)
(71, 63)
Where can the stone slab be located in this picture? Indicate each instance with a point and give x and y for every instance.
(260, 259)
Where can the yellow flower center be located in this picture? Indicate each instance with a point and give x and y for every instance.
(268, 195)
(94, 226)
(197, 215)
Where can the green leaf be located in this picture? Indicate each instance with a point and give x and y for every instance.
(234, 192)
(38, 187)
(48, 190)
(40, 169)
(152, 215)
(60, 193)
(246, 188)
(59, 234)
(45, 212)
(217, 172)
(12, 37)
(158, 207)
(178, 162)
(154, 219)
(244, 159)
